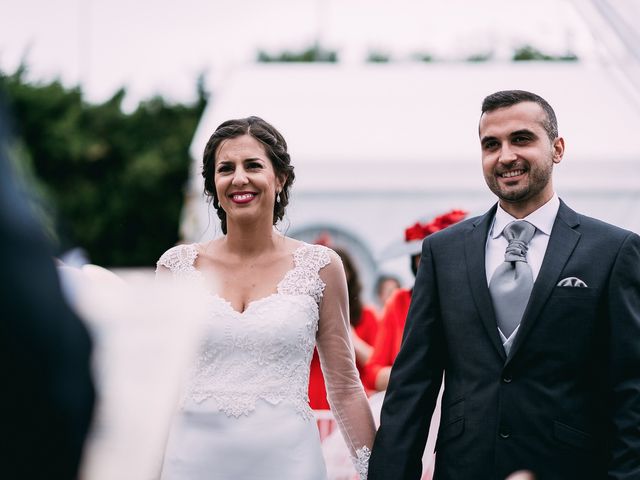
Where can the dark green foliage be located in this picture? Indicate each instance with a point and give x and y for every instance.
(480, 57)
(312, 54)
(116, 179)
(422, 57)
(528, 52)
(376, 56)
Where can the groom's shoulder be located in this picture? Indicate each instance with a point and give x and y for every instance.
(597, 235)
(593, 226)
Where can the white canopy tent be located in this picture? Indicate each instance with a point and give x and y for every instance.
(377, 147)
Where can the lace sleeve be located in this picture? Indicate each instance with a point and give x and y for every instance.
(177, 262)
(344, 390)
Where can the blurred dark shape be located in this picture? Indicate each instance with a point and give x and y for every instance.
(47, 392)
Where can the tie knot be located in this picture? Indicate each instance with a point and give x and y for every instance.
(518, 234)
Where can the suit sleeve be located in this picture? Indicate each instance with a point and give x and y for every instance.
(414, 384)
(624, 317)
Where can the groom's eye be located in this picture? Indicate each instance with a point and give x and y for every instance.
(489, 145)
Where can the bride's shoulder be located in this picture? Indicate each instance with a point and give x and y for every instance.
(318, 256)
(178, 258)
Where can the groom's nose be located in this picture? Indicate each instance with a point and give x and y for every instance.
(507, 155)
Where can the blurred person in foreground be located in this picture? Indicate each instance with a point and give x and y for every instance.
(47, 391)
(532, 312)
(244, 414)
(364, 327)
(394, 315)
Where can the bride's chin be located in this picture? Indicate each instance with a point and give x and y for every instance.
(244, 219)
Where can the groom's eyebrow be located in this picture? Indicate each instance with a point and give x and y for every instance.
(522, 131)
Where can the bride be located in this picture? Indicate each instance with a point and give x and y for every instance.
(245, 412)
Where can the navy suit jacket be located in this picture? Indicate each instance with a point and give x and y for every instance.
(564, 404)
(47, 395)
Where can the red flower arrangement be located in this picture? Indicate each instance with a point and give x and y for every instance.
(418, 231)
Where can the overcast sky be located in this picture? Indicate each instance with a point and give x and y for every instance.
(160, 46)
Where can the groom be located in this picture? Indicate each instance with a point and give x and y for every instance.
(535, 324)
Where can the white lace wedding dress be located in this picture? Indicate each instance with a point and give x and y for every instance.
(245, 412)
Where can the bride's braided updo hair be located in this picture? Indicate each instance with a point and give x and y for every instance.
(275, 146)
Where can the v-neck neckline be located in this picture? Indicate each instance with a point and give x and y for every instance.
(249, 304)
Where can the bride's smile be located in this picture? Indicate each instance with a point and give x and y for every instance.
(243, 197)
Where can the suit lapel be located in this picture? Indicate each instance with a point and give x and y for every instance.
(475, 249)
(562, 242)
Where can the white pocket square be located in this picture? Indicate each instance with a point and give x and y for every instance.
(571, 282)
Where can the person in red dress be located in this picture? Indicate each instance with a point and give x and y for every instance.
(364, 328)
(387, 345)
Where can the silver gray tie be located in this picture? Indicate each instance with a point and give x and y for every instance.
(511, 283)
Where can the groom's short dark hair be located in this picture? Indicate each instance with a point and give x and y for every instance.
(508, 98)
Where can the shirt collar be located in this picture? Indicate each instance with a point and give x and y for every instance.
(543, 218)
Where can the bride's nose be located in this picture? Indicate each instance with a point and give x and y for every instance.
(240, 177)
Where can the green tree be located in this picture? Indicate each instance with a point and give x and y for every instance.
(480, 57)
(423, 57)
(314, 53)
(116, 179)
(527, 52)
(377, 56)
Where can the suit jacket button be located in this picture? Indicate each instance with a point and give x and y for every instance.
(506, 379)
(504, 434)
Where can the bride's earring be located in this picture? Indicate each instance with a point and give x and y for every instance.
(278, 197)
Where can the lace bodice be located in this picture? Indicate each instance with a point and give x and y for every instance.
(264, 353)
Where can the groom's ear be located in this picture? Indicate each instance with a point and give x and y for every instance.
(558, 150)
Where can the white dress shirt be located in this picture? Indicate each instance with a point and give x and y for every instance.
(543, 219)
